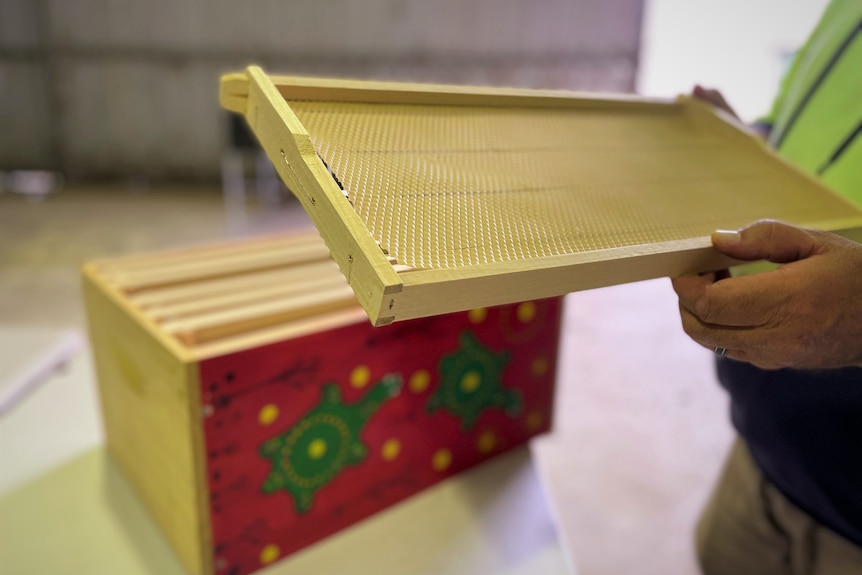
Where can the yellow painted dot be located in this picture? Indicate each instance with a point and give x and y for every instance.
(317, 448)
(486, 442)
(390, 450)
(534, 420)
(268, 414)
(526, 312)
(470, 381)
(419, 381)
(477, 315)
(269, 554)
(441, 460)
(539, 367)
(360, 376)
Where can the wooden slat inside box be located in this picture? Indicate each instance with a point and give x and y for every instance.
(216, 298)
(436, 199)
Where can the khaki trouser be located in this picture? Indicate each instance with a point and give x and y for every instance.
(749, 527)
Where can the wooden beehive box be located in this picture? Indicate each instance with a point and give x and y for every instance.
(256, 411)
(436, 199)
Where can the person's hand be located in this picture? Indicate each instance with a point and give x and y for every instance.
(713, 97)
(806, 314)
(716, 99)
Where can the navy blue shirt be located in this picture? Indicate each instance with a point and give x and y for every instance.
(804, 430)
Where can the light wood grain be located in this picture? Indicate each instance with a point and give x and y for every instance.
(215, 287)
(202, 295)
(430, 292)
(496, 284)
(205, 252)
(287, 144)
(284, 331)
(233, 94)
(249, 317)
(347, 90)
(148, 391)
(252, 295)
(230, 264)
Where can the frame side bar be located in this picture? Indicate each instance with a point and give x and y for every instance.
(289, 147)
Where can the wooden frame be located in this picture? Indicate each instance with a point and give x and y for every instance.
(390, 292)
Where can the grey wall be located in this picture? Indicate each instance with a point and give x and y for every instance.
(111, 88)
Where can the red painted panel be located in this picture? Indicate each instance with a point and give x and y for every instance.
(291, 459)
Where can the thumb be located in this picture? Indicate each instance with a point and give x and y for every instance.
(769, 240)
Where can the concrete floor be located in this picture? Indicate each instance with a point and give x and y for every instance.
(641, 432)
(641, 425)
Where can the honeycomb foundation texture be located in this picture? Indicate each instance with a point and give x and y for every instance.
(443, 187)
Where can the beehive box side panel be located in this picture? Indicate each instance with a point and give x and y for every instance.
(146, 397)
(307, 436)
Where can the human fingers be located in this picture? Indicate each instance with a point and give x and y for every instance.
(691, 288)
(749, 345)
(769, 240)
(755, 300)
(742, 355)
(720, 337)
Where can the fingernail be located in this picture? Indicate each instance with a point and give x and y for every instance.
(726, 236)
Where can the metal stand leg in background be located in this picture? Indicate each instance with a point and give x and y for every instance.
(233, 189)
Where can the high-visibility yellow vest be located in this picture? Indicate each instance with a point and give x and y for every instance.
(816, 119)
